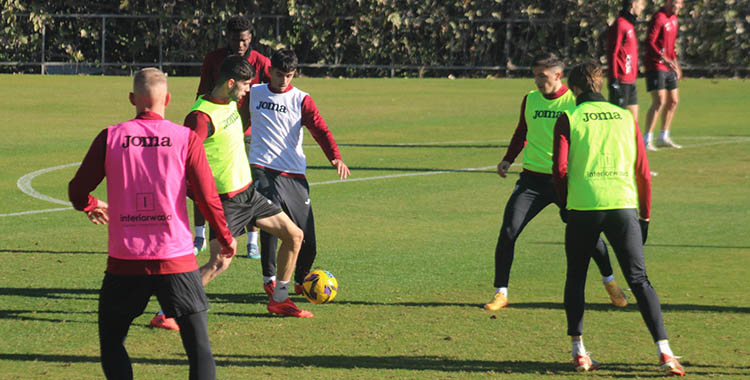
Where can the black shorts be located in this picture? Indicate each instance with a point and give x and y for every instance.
(661, 80)
(244, 209)
(623, 94)
(178, 294)
(248, 143)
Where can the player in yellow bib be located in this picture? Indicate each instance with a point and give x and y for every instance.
(535, 189)
(602, 177)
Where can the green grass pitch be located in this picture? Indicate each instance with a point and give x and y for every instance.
(410, 238)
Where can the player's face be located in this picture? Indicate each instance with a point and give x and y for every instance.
(675, 6)
(638, 7)
(547, 79)
(239, 89)
(280, 80)
(239, 42)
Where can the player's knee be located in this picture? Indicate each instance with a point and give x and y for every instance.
(296, 235)
(672, 103)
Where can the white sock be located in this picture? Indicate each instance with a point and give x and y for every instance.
(200, 231)
(268, 279)
(609, 278)
(647, 137)
(663, 347)
(503, 290)
(663, 135)
(281, 292)
(161, 312)
(252, 237)
(578, 348)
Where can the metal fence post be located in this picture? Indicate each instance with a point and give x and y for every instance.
(161, 55)
(104, 39)
(44, 47)
(508, 28)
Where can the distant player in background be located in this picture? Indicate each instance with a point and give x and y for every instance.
(662, 73)
(602, 178)
(149, 162)
(622, 55)
(239, 38)
(278, 112)
(535, 189)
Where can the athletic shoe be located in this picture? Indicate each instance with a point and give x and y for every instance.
(298, 288)
(252, 251)
(584, 363)
(670, 365)
(651, 147)
(161, 321)
(199, 244)
(616, 295)
(287, 308)
(667, 143)
(498, 302)
(269, 287)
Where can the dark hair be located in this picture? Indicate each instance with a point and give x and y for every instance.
(284, 60)
(235, 67)
(587, 77)
(239, 24)
(626, 4)
(548, 61)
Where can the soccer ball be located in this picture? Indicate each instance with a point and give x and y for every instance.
(320, 286)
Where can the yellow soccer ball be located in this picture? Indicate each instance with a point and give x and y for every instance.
(320, 286)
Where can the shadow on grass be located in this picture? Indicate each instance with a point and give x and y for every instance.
(416, 363)
(405, 169)
(418, 145)
(562, 244)
(37, 315)
(51, 251)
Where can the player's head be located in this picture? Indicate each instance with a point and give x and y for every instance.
(239, 35)
(235, 75)
(547, 69)
(586, 77)
(673, 6)
(283, 67)
(150, 91)
(635, 7)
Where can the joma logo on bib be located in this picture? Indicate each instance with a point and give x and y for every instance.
(601, 116)
(271, 106)
(146, 141)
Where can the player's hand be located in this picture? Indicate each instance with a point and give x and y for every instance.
(100, 213)
(230, 250)
(502, 168)
(341, 169)
(644, 228)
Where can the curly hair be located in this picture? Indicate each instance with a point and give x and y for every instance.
(239, 24)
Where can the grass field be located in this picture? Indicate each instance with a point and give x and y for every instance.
(410, 238)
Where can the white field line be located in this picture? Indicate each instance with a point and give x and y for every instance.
(24, 183)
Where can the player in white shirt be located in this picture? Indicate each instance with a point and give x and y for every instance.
(277, 113)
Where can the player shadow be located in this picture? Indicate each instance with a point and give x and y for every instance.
(418, 145)
(403, 169)
(37, 316)
(51, 251)
(661, 245)
(52, 293)
(633, 307)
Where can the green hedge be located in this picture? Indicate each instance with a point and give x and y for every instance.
(378, 35)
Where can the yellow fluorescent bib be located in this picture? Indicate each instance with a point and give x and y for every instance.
(540, 115)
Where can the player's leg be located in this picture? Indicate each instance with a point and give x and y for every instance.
(672, 100)
(624, 233)
(253, 251)
(526, 201)
(655, 84)
(581, 235)
(216, 264)
(121, 299)
(631, 100)
(295, 193)
(182, 297)
(238, 214)
(291, 237)
(199, 242)
(264, 183)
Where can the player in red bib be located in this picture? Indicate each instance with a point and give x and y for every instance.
(662, 73)
(622, 54)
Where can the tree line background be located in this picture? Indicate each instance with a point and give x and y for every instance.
(359, 37)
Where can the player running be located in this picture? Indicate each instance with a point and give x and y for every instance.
(602, 178)
(535, 188)
(278, 112)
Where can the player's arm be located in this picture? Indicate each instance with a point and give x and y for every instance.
(560, 149)
(89, 175)
(517, 142)
(201, 181)
(200, 123)
(319, 130)
(613, 48)
(642, 176)
(654, 34)
(206, 83)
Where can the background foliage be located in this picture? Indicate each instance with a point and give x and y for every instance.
(417, 35)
